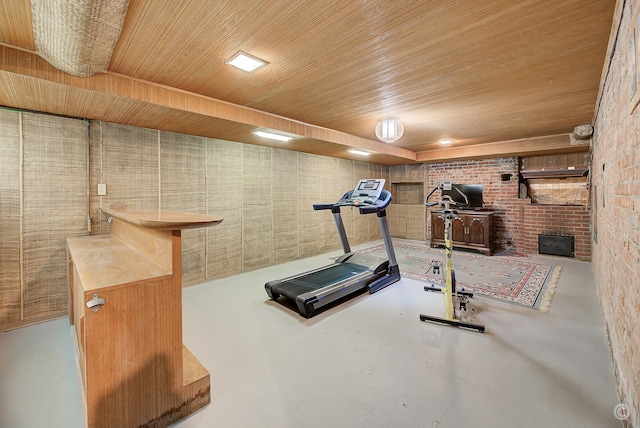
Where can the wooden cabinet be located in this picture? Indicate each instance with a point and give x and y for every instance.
(558, 162)
(471, 230)
(125, 310)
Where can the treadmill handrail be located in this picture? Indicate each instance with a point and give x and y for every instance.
(366, 207)
(385, 199)
(318, 207)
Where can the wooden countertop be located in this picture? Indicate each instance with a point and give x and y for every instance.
(163, 219)
(104, 260)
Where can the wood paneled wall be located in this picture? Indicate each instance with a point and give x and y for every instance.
(51, 166)
(10, 219)
(43, 200)
(407, 213)
(265, 195)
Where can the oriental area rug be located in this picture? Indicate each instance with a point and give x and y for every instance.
(509, 278)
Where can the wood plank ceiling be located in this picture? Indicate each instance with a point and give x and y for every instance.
(499, 78)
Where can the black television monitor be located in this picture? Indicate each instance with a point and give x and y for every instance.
(473, 193)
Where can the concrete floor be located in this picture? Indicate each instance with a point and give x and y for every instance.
(369, 362)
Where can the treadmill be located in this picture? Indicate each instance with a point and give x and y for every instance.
(352, 272)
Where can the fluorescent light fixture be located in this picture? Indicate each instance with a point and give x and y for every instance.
(359, 152)
(445, 142)
(272, 136)
(246, 62)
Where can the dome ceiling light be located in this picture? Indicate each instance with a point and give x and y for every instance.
(389, 130)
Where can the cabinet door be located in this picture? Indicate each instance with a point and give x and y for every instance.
(458, 230)
(437, 227)
(477, 230)
(133, 345)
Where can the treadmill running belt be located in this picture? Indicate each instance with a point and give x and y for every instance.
(316, 280)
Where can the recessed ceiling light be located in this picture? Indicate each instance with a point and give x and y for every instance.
(272, 136)
(359, 152)
(445, 142)
(246, 62)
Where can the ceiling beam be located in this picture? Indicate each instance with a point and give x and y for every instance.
(120, 99)
(523, 147)
(53, 91)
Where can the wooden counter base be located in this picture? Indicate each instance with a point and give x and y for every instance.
(135, 371)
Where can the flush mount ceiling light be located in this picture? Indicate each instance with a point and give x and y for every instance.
(246, 62)
(389, 130)
(272, 136)
(445, 142)
(359, 152)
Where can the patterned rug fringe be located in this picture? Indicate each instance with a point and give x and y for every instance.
(545, 304)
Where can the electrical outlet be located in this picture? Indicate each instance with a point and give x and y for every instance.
(102, 189)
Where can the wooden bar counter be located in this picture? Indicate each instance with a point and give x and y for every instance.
(125, 310)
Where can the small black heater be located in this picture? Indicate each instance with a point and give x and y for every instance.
(556, 245)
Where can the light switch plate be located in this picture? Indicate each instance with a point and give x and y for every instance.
(102, 189)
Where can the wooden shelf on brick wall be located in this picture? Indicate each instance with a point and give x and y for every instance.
(555, 173)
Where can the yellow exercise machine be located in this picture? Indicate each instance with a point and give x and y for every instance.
(455, 301)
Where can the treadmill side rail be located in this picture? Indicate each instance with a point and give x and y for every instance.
(308, 303)
(379, 284)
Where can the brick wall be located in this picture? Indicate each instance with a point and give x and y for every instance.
(499, 196)
(517, 221)
(557, 219)
(615, 192)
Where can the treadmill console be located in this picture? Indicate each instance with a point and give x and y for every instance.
(369, 196)
(367, 191)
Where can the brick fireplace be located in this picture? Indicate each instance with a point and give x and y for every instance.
(518, 222)
(560, 220)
